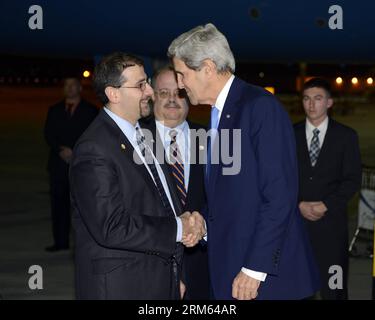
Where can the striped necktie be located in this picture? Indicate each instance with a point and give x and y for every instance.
(146, 152)
(177, 166)
(314, 147)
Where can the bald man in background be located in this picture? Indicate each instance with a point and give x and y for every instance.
(171, 131)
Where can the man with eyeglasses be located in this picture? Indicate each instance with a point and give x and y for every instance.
(129, 235)
(173, 134)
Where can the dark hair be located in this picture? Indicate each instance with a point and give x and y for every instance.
(166, 68)
(69, 77)
(318, 83)
(109, 70)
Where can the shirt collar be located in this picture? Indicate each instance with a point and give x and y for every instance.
(222, 97)
(322, 127)
(126, 127)
(165, 130)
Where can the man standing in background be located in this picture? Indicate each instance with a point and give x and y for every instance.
(329, 175)
(171, 131)
(65, 123)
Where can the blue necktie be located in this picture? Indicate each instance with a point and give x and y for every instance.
(214, 117)
(213, 125)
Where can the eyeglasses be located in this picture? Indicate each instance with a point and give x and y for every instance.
(165, 93)
(141, 86)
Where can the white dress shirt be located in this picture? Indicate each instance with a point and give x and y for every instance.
(219, 104)
(322, 132)
(183, 142)
(130, 132)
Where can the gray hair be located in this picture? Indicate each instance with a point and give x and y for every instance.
(200, 43)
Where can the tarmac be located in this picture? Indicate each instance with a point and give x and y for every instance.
(25, 230)
(25, 223)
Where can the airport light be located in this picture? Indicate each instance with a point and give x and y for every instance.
(86, 74)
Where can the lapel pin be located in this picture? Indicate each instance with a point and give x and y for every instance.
(123, 146)
(228, 116)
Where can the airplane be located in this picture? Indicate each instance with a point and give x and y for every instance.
(340, 31)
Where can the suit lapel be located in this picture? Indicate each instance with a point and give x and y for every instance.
(226, 122)
(128, 151)
(326, 146)
(133, 157)
(197, 154)
(303, 147)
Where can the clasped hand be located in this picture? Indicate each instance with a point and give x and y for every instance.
(313, 211)
(193, 228)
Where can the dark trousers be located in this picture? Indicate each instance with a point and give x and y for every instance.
(196, 271)
(211, 293)
(330, 247)
(326, 293)
(60, 207)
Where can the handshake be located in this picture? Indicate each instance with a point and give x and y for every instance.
(193, 228)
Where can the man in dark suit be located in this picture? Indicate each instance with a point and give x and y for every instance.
(128, 236)
(66, 121)
(172, 133)
(257, 246)
(329, 175)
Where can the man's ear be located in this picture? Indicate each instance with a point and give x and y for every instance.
(111, 94)
(209, 67)
(330, 103)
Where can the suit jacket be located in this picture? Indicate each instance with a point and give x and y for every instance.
(125, 240)
(253, 217)
(334, 180)
(63, 129)
(195, 259)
